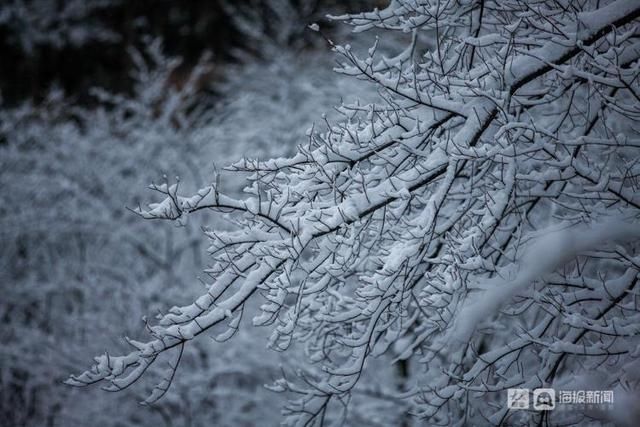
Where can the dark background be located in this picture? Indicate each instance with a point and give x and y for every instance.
(187, 29)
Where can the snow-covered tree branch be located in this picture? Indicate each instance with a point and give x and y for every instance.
(479, 223)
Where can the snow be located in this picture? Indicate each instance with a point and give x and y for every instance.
(474, 215)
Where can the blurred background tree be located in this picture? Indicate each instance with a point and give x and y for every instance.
(80, 44)
(98, 99)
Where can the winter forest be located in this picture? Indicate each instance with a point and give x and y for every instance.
(319, 213)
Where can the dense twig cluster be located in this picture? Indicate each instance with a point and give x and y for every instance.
(477, 189)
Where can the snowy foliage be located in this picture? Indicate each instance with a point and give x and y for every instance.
(33, 23)
(79, 270)
(74, 263)
(478, 224)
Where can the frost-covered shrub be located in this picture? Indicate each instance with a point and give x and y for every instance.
(74, 262)
(32, 23)
(479, 223)
(79, 270)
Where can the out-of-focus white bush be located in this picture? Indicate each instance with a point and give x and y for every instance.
(73, 23)
(79, 270)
